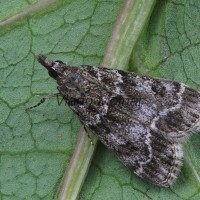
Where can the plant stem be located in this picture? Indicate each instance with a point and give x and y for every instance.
(78, 167)
(134, 16)
(39, 6)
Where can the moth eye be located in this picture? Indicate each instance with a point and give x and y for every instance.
(53, 73)
(59, 61)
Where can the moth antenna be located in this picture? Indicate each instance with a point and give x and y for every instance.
(43, 100)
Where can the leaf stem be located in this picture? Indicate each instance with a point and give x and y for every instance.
(134, 16)
(40, 6)
(78, 167)
(132, 19)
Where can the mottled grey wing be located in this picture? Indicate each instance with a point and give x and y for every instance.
(148, 154)
(181, 119)
(167, 107)
(141, 119)
(157, 160)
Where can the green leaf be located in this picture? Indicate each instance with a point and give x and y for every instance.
(37, 145)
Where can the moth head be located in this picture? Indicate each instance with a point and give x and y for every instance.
(69, 79)
(55, 68)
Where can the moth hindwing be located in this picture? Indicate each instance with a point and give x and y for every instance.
(142, 119)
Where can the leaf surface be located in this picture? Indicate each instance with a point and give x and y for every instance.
(37, 145)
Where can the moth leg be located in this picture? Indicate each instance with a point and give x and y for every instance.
(43, 100)
(91, 142)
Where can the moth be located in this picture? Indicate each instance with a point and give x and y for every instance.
(143, 120)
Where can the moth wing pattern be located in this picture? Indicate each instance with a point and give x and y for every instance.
(143, 120)
(182, 118)
(147, 133)
(149, 155)
(162, 164)
(175, 107)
